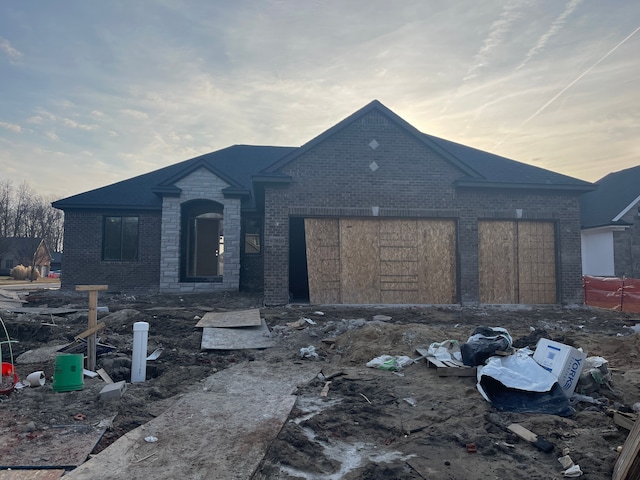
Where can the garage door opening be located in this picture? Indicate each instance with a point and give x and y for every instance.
(298, 273)
(517, 262)
(381, 261)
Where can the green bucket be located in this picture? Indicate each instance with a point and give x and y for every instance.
(68, 372)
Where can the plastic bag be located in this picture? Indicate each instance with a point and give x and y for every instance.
(390, 362)
(483, 343)
(516, 383)
(447, 350)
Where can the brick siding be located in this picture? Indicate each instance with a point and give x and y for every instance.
(336, 178)
(82, 261)
(626, 247)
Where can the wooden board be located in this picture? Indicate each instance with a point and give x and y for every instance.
(624, 420)
(627, 466)
(359, 261)
(437, 261)
(451, 368)
(54, 474)
(497, 262)
(536, 263)
(398, 261)
(395, 261)
(237, 318)
(516, 262)
(59, 446)
(323, 259)
(220, 430)
(236, 338)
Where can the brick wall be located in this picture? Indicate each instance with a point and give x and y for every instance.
(372, 163)
(626, 245)
(82, 260)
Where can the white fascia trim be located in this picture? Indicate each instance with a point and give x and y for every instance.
(624, 212)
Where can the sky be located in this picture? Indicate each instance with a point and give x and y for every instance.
(94, 92)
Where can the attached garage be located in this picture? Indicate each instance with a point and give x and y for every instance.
(388, 261)
(517, 262)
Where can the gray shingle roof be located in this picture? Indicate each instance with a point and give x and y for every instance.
(494, 169)
(234, 164)
(237, 164)
(615, 192)
(482, 169)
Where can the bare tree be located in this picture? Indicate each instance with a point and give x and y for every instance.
(21, 207)
(24, 213)
(6, 194)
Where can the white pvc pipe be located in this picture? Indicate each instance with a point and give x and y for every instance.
(139, 357)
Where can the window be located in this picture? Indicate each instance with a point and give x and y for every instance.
(120, 238)
(252, 235)
(8, 263)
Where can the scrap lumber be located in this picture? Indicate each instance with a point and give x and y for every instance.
(93, 320)
(536, 440)
(104, 376)
(624, 420)
(450, 368)
(446, 367)
(236, 318)
(627, 466)
(89, 331)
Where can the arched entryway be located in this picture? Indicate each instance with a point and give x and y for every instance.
(201, 241)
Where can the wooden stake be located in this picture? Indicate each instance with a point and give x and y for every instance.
(93, 321)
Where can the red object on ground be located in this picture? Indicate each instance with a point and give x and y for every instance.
(9, 379)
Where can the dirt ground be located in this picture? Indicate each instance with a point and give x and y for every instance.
(370, 423)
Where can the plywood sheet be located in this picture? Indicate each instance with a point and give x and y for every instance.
(395, 261)
(359, 261)
(54, 474)
(536, 263)
(398, 261)
(59, 446)
(497, 262)
(220, 429)
(236, 318)
(436, 242)
(236, 338)
(323, 259)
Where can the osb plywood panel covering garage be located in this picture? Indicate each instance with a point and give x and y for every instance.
(323, 259)
(516, 262)
(381, 261)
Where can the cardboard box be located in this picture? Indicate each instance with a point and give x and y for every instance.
(563, 361)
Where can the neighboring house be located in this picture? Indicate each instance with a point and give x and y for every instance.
(56, 261)
(370, 211)
(25, 251)
(611, 226)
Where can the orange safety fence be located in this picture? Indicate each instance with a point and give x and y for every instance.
(621, 294)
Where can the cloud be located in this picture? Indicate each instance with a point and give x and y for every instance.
(41, 116)
(497, 32)
(137, 114)
(73, 124)
(11, 126)
(51, 135)
(557, 24)
(8, 50)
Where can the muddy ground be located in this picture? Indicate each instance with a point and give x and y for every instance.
(372, 424)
